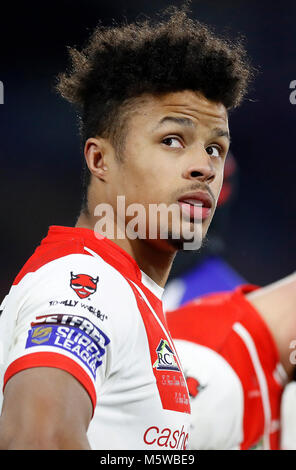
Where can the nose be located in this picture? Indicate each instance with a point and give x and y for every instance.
(200, 168)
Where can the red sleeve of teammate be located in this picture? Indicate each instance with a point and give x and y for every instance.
(228, 324)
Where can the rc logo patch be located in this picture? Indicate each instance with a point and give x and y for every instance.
(165, 357)
(83, 284)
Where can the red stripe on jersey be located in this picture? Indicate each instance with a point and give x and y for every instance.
(156, 304)
(56, 360)
(237, 355)
(105, 248)
(269, 359)
(171, 384)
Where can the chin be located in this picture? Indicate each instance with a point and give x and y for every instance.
(185, 244)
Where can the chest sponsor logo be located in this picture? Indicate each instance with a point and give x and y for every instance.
(167, 437)
(74, 334)
(83, 284)
(165, 364)
(165, 357)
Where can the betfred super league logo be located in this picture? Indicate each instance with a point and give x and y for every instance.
(83, 284)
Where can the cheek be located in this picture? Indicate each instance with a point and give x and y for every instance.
(143, 175)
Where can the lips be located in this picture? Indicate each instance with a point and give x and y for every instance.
(197, 205)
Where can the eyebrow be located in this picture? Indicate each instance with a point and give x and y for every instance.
(218, 132)
(183, 121)
(177, 120)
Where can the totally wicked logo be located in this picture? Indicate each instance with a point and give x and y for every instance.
(165, 357)
(83, 284)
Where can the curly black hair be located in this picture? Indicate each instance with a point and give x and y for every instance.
(174, 53)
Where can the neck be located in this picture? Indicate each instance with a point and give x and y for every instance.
(152, 259)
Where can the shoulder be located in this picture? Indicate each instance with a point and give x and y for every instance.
(71, 266)
(66, 278)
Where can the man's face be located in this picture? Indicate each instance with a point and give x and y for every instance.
(175, 151)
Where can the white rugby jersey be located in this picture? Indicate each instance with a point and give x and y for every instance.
(233, 372)
(81, 304)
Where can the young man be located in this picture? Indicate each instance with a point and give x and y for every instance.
(88, 359)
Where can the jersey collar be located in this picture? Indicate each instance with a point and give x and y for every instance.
(109, 251)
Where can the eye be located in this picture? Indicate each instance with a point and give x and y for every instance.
(89, 289)
(173, 142)
(214, 151)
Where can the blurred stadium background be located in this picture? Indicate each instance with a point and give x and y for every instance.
(40, 148)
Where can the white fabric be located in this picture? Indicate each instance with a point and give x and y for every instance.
(128, 401)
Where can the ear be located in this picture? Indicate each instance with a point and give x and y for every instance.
(96, 152)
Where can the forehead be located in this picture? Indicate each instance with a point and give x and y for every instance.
(186, 104)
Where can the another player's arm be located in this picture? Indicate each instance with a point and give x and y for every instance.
(45, 408)
(276, 304)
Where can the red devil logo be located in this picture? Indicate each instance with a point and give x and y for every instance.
(83, 284)
(194, 387)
